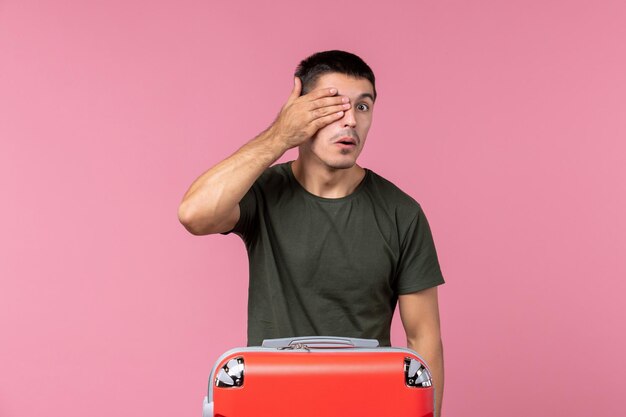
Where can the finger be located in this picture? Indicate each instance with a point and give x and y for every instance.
(295, 91)
(327, 101)
(326, 120)
(328, 110)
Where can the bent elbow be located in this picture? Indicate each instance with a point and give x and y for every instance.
(189, 219)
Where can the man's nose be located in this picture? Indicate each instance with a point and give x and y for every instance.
(349, 118)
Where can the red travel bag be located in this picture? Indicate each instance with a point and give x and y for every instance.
(320, 377)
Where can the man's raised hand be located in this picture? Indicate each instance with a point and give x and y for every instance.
(302, 116)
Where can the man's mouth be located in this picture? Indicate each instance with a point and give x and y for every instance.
(346, 141)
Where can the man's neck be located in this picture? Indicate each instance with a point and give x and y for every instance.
(327, 182)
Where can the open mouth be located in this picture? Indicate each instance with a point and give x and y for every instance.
(346, 142)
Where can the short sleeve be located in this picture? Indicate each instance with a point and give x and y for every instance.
(418, 267)
(247, 215)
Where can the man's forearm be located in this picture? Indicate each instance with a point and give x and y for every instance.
(216, 192)
(431, 349)
(211, 203)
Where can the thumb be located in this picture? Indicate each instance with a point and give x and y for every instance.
(297, 88)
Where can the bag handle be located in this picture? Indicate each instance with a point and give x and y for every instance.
(319, 342)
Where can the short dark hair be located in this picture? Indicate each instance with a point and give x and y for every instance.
(310, 69)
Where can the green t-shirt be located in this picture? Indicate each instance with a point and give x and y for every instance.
(331, 267)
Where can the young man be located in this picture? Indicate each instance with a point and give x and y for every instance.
(332, 246)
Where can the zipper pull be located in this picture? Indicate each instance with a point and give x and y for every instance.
(295, 346)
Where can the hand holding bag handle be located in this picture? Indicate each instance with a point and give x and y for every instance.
(320, 342)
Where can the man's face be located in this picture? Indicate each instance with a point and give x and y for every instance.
(339, 144)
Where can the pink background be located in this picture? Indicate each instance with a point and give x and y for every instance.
(505, 119)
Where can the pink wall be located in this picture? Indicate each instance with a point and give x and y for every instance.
(505, 119)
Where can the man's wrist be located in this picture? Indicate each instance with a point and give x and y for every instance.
(276, 141)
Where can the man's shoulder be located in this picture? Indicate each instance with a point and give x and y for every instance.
(391, 193)
(276, 175)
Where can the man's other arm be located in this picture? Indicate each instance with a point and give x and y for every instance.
(211, 205)
(419, 312)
